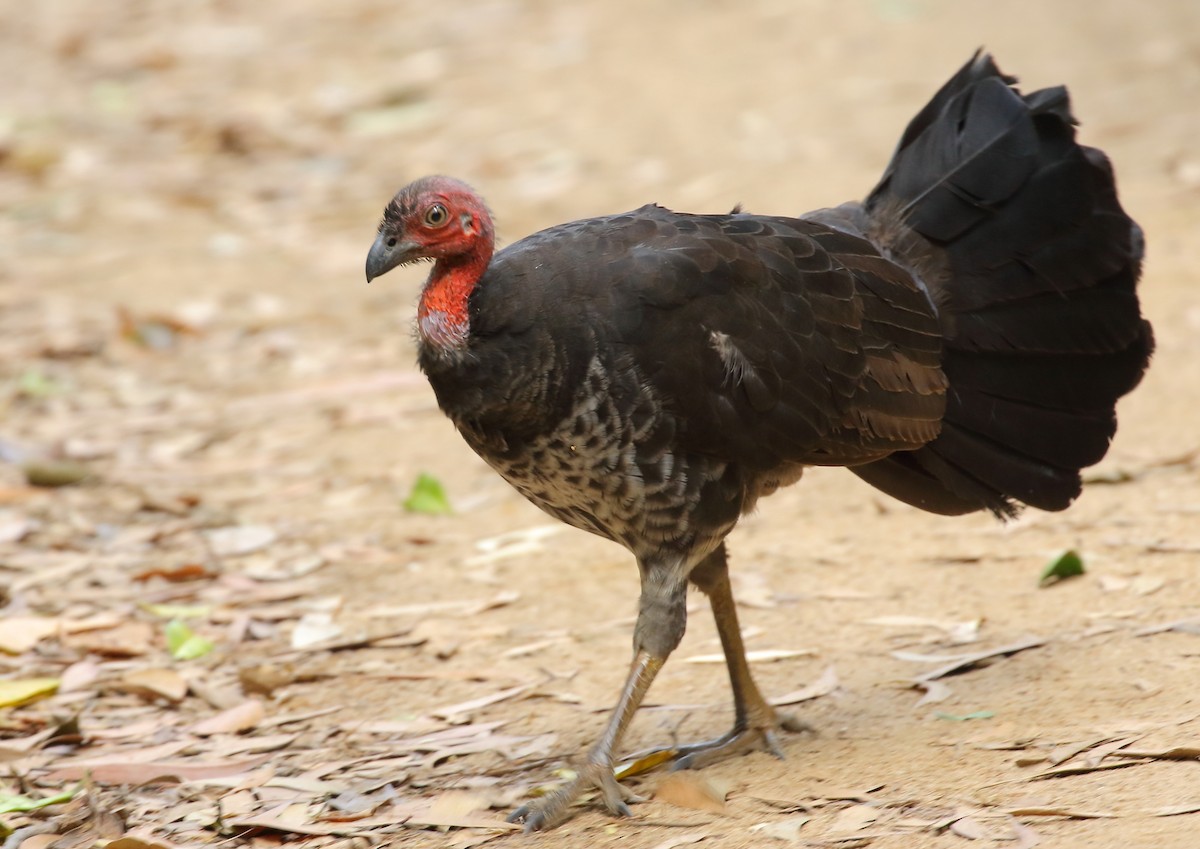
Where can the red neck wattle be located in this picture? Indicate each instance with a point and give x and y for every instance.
(442, 317)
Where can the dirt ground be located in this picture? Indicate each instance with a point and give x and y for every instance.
(187, 194)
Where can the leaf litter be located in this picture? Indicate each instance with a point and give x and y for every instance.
(153, 647)
(174, 463)
(963, 663)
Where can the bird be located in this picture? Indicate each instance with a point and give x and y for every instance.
(958, 339)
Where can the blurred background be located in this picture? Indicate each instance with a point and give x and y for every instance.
(188, 189)
(223, 165)
(187, 130)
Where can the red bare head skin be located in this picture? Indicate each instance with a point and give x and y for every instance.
(442, 219)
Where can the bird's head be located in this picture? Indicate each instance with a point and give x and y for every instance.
(437, 218)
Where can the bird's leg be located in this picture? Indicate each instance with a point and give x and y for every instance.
(662, 617)
(755, 723)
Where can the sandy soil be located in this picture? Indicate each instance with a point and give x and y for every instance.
(224, 164)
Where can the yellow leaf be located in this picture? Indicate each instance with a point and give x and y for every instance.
(644, 763)
(24, 690)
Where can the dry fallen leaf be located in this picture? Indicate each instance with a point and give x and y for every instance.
(965, 662)
(1063, 753)
(854, 818)
(314, 629)
(128, 639)
(1146, 584)
(823, 686)
(166, 683)
(18, 634)
(969, 828)
(1190, 625)
(240, 539)
(422, 813)
(155, 332)
(521, 536)
(935, 691)
(266, 678)
(1097, 753)
(1026, 837)
(78, 676)
(140, 730)
(1177, 810)
(682, 840)
(532, 648)
(254, 745)
(1175, 753)
(1081, 769)
(760, 656)
(14, 527)
(96, 622)
(441, 638)
(786, 829)
(451, 711)
(456, 805)
(40, 841)
(1112, 583)
(139, 839)
(117, 771)
(1056, 811)
(693, 790)
(177, 574)
(236, 719)
(289, 819)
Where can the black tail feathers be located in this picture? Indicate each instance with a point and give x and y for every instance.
(1017, 233)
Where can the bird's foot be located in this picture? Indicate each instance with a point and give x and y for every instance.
(759, 732)
(552, 808)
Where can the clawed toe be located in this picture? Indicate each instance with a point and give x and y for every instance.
(757, 735)
(552, 809)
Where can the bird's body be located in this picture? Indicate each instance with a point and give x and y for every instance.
(643, 376)
(959, 340)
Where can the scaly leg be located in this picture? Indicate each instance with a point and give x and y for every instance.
(755, 723)
(662, 617)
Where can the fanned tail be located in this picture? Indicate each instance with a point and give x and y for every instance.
(1017, 233)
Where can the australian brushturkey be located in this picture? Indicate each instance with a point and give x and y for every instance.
(959, 340)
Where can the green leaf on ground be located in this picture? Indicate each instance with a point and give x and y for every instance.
(35, 384)
(23, 804)
(428, 496)
(1067, 565)
(185, 644)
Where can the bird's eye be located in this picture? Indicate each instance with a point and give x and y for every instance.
(436, 216)
(391, 243)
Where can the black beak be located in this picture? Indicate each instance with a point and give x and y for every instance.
(386, 254)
